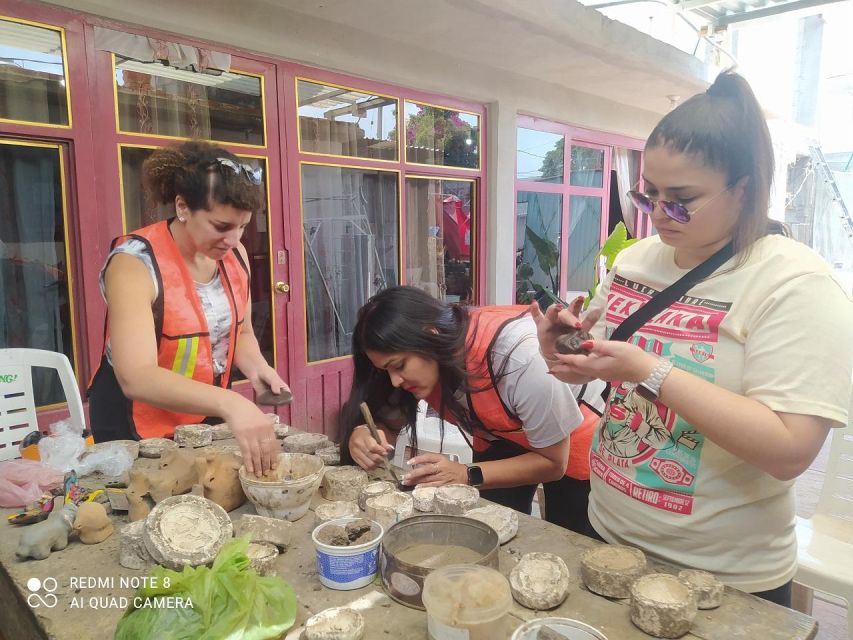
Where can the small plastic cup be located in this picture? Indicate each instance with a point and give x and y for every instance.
(345, 568)
(466, 598)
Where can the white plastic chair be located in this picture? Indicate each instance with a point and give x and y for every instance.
(825, 541)
(17, 400)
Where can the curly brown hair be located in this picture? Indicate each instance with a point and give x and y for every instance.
(193, 170)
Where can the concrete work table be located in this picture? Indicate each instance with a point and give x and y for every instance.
(740, 616)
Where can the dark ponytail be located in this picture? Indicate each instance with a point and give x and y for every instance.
(726, 127)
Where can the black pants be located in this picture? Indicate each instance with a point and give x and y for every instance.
(779, 595)
(566, 499)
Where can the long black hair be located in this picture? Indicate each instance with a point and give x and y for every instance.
(406, 319)
(726, 128)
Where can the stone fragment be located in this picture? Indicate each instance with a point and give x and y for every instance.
(539, 581)
(335, 624)
(132, 551)
(281, 430)
(186, 530)
(221, 431)
(305, 442)
(373, 489)
(610, 569)
(709, 590)
(502, 519)
(263, 529)
(662, 605)
(424, 498)
(331, 456)
(333, 511)
(333, 535)
(193, 435)
(262, 555)
(343, 483)
(154, 447)
(389, 508)
(455, 499)
(571, 341)
(358, 530)
(117, 498)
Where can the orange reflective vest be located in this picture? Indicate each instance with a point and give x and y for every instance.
(183, 339)
(485, 403)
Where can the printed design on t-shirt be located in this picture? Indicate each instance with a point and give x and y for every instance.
(642, 448)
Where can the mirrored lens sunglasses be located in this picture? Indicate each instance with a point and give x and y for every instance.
(254, 175)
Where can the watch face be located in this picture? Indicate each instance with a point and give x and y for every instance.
(475, 476)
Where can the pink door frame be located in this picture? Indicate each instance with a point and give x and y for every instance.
(94, 198)
(574, 136)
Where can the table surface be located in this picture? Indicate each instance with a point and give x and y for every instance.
(89, 613)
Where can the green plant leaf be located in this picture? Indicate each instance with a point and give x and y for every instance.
(546, 251)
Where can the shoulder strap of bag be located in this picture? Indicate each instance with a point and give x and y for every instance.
(673, 292)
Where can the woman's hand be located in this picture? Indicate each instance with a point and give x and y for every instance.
(554, 323)
(365, 451)
(436, 470)
(265, 377)
(607, 360)
(255, 434)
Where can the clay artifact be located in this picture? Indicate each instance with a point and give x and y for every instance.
(334, 510)
(154, 447)
(539, 581)
(132, 551)
(570, 342)
(358, 531)
(335, 624)
(263, 529)
(38, 540)
(610, 569)
(262, 556)
(218, 474)
(193, 435)
(662, 605)
(92, 523)
(709, 590)
(343, 483)
(175, 475)
(455, 499)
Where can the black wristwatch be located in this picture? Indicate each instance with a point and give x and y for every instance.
(475, 475)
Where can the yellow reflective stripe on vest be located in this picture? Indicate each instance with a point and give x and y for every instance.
(185, 356)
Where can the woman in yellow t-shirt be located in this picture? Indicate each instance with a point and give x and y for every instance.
(746, 372)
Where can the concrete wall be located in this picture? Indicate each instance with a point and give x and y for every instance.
(283, 29)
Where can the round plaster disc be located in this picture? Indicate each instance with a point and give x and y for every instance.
(186, 530)
(154, 447)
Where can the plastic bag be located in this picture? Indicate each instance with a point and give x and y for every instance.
(24, 481)
(228, 601)
(111, 460)
(63, 447)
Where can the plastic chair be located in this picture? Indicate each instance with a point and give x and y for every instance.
(825, 541)
(17, 400)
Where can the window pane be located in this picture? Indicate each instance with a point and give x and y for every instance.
(350, 247)
(587, 167)
(212, 105)
(35, 311)
(539, 156)
(140, 211)
(32, 74)
(439, 232)
(625, 167)
(537, 252)
(442, 136)
(345, 122)
(584, 238)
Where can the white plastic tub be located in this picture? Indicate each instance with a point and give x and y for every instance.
(345, 568)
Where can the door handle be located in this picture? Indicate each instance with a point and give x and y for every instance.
(282, 287)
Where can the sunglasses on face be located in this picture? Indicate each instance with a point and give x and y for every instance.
(253, 175)
(672, 210)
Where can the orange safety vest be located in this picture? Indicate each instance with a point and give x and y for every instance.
(485, 403)
(183, 339)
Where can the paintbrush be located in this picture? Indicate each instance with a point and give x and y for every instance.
(368, 418)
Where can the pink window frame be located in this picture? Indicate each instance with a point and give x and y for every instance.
(574, 136)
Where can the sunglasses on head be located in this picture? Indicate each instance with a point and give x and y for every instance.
(672, 210)
(253, 175)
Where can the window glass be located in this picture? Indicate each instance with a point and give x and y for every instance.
(350, 229)
(584, 241)
(345, 122)
(32, 74)
(539, 156)
(537, 252)
(587, 168)
(442, 136)
(35, 308)
(212, 105)
(439, 236)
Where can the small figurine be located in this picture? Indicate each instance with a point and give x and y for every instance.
(51, 535)
(571, 342)
(92, 523)
(36, 512)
